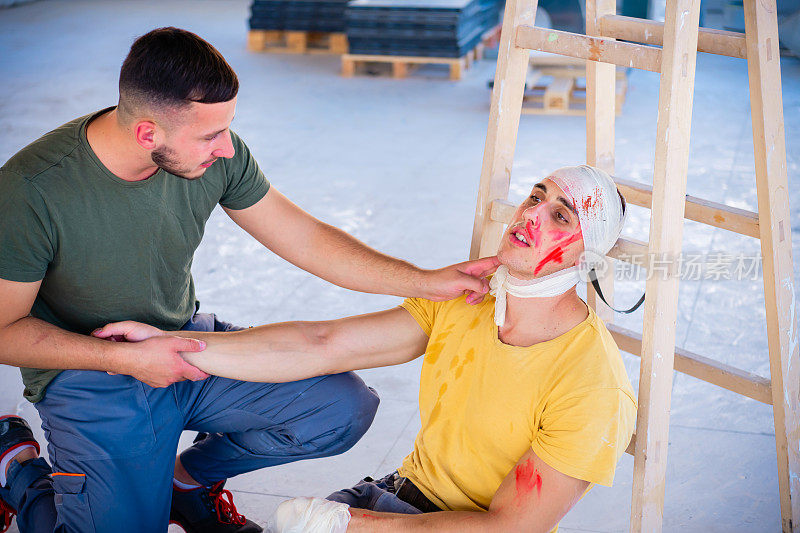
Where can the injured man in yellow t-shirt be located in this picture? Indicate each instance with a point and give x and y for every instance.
(524, 400)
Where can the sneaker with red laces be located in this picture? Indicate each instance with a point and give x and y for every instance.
(14, 434)
(207, 510)
(6, 515)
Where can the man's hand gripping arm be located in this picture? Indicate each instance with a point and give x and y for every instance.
(26, 341)
(339, 258)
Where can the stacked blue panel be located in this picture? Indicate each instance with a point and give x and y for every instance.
(426, 28)
(298, 15)
(492, 12)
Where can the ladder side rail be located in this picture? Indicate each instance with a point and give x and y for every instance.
(710, 41)
(772, 187)
(666, 233)
(592, 48)
(601, 96)
(501, 136)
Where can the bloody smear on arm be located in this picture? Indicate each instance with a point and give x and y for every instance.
(527, 479)
(365, 515)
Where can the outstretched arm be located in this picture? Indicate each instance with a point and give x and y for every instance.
(341, 259)
(297, 350)
(533, 497)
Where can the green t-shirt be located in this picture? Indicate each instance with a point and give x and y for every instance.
(107, 249)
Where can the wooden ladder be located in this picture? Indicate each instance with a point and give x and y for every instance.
(679, 38)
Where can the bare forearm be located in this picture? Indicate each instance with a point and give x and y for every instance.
(33, 343)
(274, 353)
(446, 521)
(352, 264)
(297, 350)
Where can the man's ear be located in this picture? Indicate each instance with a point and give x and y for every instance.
(146, 132)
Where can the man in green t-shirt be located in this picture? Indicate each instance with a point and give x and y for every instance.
(100, 221)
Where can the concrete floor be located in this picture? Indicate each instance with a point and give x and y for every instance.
(397, 163)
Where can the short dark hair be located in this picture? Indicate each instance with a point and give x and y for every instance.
(171, 67)
(622, 199)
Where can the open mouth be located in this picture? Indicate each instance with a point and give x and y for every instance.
(520, 237)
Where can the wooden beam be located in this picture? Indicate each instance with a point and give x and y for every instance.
(631, 251)
(601, 101)
(695, 365)
(720, 42)
(592, 48)
(502, 211)
(766, 105)
(557, 94)
(712, 213)
(501, 134)
(676, 95)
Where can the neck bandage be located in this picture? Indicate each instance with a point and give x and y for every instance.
(595, 197)
(503, 283)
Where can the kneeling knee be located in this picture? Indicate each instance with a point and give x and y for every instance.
(352, 410)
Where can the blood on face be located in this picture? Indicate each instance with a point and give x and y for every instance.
(556, 254)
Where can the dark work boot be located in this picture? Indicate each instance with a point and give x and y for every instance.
(207, 510)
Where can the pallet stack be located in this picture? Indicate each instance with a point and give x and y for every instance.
(556, 85)
(403, 32)
(298, 26)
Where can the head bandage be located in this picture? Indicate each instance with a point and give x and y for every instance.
(594, 195)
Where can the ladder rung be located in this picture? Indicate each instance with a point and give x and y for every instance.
(502, 211)
(692, 364)
(725, 43)
(592, 48)
(712, 213)
(628, 250)
(631, 251)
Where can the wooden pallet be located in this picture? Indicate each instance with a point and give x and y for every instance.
(491, 38)
(401, 65)
(564, 93)
(297, 42)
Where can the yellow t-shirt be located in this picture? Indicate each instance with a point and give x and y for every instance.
(483, 404)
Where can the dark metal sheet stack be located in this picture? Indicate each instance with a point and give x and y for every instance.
(298, 15)
(425, 28)
(492, 12)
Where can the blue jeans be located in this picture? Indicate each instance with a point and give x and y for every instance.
(375, 495)
(118, 438)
